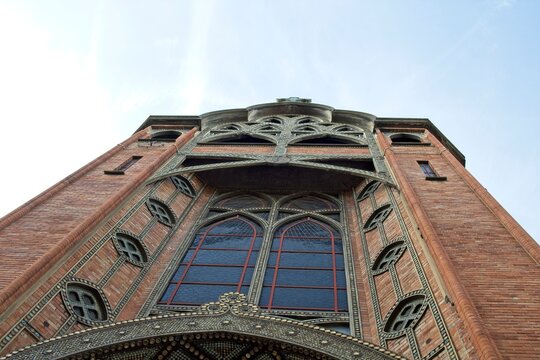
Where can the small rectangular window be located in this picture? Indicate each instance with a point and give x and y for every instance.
(121, 169)
(429, 172)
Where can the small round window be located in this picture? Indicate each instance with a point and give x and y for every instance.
(86, 303)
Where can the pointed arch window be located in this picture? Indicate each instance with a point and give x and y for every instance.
(305, 269)
(300, 268)
(377, 217)
(220, 259)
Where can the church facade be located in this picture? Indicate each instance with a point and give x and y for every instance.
(287, 230)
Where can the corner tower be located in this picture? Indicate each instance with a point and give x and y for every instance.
(288, 230)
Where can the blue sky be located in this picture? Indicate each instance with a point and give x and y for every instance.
(86, 74)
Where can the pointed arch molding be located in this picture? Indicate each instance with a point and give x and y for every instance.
(282, 160)
(229, 318)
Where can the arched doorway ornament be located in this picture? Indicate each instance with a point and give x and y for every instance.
(229, 325)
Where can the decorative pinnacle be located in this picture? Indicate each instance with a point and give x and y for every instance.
(293, 99)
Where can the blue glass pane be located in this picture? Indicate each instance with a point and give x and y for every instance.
(305, 277)
(302, 260)
(228, 242)
(342, 299)
(232, 226)
(305, 245)
(265, 296)
(220, 257)
(168, 293)
(244, 290)
(303, 298)
(214, 274)
(178, 274)
(268, 277)
(247, 276)
(199, 294)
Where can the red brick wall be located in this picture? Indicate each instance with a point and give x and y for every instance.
(497, 269)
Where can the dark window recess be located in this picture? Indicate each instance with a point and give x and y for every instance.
(121, 169)
(161, 212)
(183, 185)
(244, 201)
(86, 303)
(325, 140)
(166, 135)
(405, 314)
(405, 139)
(220, 259)
(429, 172)
(241, 140)
(305, 269)
(310, 202)
(366, 165)
(377, 217)
(389, 256)
(198, 161)
(131, 248)
(368, 190)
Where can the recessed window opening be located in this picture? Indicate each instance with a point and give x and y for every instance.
(183, 185)
(389, 256)
(368, 190)
(166, 135)
(325, 140)
(405, 314)
(86, 303)
(405, 138)
(377, 218)
(427, 169)
(121, 169)
(131, 248)
(161, 212)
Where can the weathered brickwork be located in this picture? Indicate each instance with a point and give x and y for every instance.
(475, 240)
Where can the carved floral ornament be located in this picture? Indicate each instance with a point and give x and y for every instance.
(230, 325)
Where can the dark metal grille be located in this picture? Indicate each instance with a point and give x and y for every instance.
(221, 259)
(85, 303)
(388, 256)
(405, 314)
(161, 212)
(183, 185)
(369, 189)
(377, 217)
(305, 269)
(130, 248)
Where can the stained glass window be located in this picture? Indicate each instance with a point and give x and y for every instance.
(305, 269)
(220, 259)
